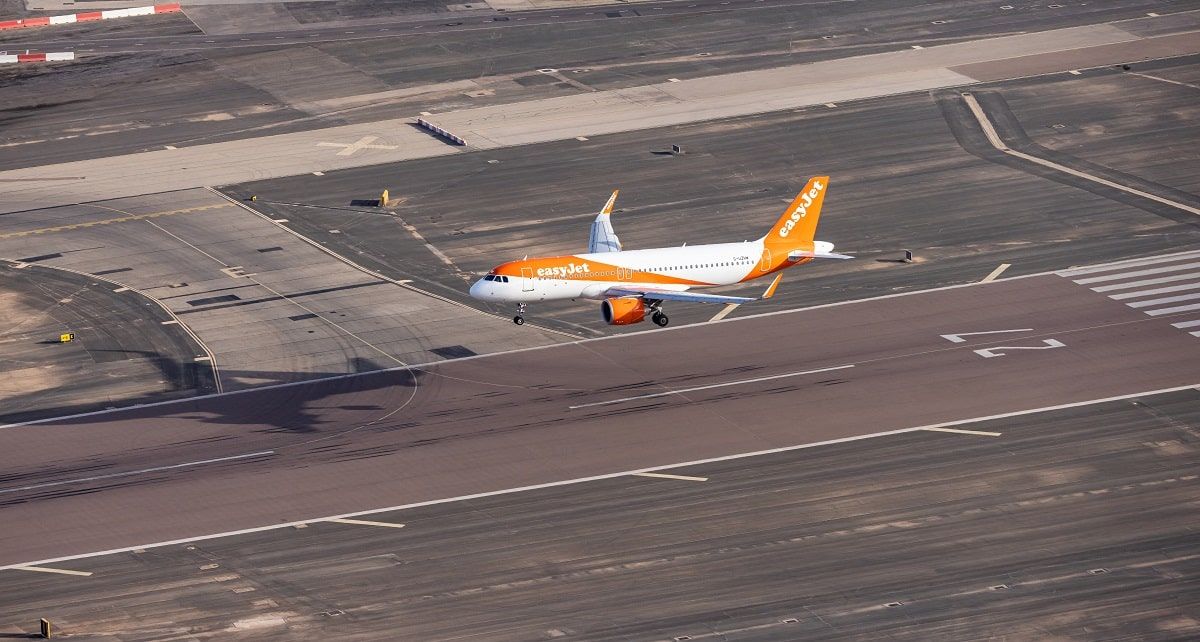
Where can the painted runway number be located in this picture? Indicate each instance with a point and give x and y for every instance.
(1000, 351)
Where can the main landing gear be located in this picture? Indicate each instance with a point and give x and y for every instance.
(658, 317)
(519, 319)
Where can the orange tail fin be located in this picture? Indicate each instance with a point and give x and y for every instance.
(798, 225)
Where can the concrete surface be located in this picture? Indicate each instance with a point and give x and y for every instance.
(126, 349)
(537, 121)
(909, 172)
(269, 307)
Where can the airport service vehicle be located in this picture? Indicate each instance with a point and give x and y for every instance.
(630, 283)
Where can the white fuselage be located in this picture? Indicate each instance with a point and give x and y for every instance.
(589, 276)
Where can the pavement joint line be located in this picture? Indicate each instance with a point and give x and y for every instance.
(363, 522)
(122, 219)
(577, 341)
(960, 431)
(128, 473)
(625, 473)
(44, 569)
(378, 275)
(996, 272)
(670, 476)
(708, 387)
(989, 131)
(227, 270)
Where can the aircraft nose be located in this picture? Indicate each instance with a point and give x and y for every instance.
(477, 289)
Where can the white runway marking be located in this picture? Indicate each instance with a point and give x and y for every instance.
(624, 473)
(1181, 308)
(708, 387)
(669, 476)
(363, 143)
(960, 431)
(996, 272)
(1145, 282)
(1165, 300)
(1186, 324)
(156, 469)
(43, 569)
(1139, 293)
(362, 522)
(958, 338)
(1123, 275)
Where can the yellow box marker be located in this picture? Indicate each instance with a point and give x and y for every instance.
(66, 337)
(383, 199)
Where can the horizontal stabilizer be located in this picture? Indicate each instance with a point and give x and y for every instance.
(814, 255)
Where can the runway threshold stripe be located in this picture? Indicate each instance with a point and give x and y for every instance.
(1166, 290)
(1126, 275)
(138, 472)
(709, 387)
(1165, 300)
(1121, 265)
(44, 569)
(624, 473)
(1181, 308)
(1145, 282)
(1186, 324)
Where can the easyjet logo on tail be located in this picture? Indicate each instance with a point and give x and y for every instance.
(566, 270)
(806, 201)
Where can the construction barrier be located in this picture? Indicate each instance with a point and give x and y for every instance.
(89, 16)
(37, 57)
(440, 132)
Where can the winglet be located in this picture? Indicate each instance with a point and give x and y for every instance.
(608, 207)
(771, 288)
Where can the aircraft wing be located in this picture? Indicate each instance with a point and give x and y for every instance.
(603, 238)
(676, 295)
(694, 297)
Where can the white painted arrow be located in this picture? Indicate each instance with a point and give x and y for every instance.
(988, 353)
(958, 338)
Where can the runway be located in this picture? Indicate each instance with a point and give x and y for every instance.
(1068, 519)
(584, 409)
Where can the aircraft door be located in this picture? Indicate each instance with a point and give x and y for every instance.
(526, 279)
(765, 263)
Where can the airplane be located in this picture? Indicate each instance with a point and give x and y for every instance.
(631, 282)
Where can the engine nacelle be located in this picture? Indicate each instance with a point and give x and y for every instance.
(623, 311)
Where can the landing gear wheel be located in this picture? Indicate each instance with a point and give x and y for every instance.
(519, 320)
(660, 319)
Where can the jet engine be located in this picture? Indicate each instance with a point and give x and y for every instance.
(623, 311)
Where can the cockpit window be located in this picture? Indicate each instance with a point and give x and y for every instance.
(504, 279)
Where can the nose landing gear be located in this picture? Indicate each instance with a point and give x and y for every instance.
(520, 319)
